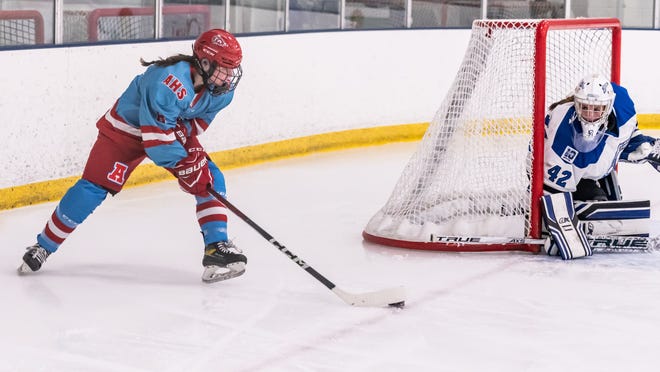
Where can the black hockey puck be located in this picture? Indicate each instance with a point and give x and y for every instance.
(399, 305)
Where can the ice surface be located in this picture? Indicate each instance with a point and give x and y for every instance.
(124, 292)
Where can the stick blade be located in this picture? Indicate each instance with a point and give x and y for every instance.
(391, 296)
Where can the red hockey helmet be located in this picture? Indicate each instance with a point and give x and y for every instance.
(218, 56)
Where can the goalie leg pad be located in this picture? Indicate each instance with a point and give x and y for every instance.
(562, 224)
(630, 218)
(549, 247)
(610, 210)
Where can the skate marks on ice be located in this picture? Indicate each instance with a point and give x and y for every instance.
(134, 305)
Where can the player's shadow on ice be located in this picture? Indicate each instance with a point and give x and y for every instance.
(126, 273)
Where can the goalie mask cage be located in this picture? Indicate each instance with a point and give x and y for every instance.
(475, 181)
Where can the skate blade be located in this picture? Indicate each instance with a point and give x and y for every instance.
(24, 269)
(214, 274)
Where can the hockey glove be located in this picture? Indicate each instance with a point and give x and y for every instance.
(186, 128)
(181, 132)
(193, 171)
(647, 152)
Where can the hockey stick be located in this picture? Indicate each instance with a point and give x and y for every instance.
(483, 240)
(598, 243)
(607, 244)
(391, 296)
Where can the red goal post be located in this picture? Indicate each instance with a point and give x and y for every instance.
(474, 184)
(128, 21)
(21, 27)
(134, 23)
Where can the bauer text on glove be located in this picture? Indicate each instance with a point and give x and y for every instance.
(193, 173)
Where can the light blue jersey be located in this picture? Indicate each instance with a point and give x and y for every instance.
(156, 101)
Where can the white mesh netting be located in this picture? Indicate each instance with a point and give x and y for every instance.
(470, 175)
(134, 23)
(21, 27)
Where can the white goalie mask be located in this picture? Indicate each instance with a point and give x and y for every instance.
(593, 100)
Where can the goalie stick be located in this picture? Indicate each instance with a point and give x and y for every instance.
(600, 244)
(391, 296)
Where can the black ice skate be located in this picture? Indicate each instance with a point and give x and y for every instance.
(222, 261)
(33, 259)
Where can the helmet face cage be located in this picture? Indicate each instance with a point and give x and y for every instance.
(219, 79)
(593, 101)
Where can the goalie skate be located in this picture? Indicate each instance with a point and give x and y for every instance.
(222, 261)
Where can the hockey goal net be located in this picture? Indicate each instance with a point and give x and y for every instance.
(21, 27)
(109, 24)
(476, 178)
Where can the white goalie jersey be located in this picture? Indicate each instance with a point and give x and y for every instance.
(564, 165)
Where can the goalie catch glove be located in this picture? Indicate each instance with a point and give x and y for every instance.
(647, 151)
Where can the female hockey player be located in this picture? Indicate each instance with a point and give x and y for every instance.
(587, 133)
(159, 116)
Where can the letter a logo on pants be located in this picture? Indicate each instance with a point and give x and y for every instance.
(118, 173)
